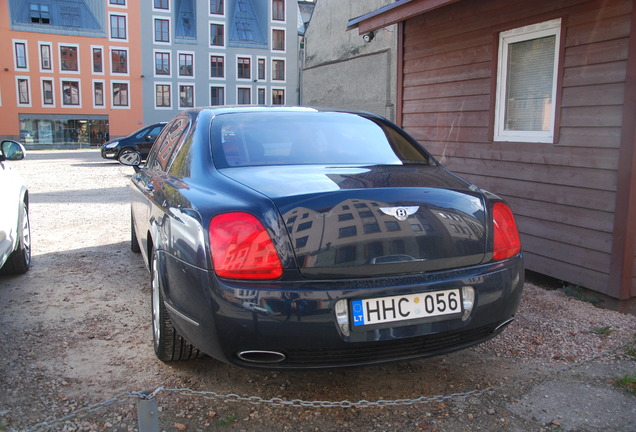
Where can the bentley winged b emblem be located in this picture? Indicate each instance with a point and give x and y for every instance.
(400, 213)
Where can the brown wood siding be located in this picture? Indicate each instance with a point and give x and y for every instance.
(563, 194)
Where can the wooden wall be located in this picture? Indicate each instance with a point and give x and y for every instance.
(563, 194)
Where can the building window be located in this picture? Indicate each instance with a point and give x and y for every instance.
(118, 27)
(261, 96)
(119, 61)
(20, 55)
(278, 10)
(278, 40)
(70, 16)
(217, 69)
(278, 97)
(216, 7)
(244, 96)
(120, 94)
(216, 35)
(162, 30)
(70, 93)
(47, 92)
(23, 91)
(98, 63)
(45, 57)
(98, 93)
(278, 70)
(186, 96)
(526, 83)
(243, 68)
(39, 13)
(162, 4)
(186, 25)
(118, 2)
(162, 95)
(261, 69)
(162, 63)
(217, 96)
(186, 65)
(69, 58)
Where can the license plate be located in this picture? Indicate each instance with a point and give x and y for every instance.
(405, 307)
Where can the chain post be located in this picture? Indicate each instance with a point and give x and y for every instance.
(147, 413)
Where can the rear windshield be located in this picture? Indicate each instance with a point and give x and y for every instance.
(301, 138)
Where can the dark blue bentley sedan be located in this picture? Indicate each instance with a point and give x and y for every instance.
(305, 238)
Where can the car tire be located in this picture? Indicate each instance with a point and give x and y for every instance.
(20, 260)
(124, 151)
(168, 344)
(134, 244)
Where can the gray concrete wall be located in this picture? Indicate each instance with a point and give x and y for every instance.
(340, 69)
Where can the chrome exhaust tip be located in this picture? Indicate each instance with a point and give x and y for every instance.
(261, 357)
(503, 325)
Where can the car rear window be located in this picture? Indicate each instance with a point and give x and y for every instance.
(300, 138)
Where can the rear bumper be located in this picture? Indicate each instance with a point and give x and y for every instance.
(296, 321)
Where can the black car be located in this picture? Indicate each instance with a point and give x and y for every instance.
(139, 141)
(304, 238)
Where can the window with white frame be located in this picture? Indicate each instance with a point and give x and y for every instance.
(120, 95)
(20, 52)
(118, 28)
(71, 93)
(69, 58)
(278, 70)
(186, 96)
(217, 35)
(244, 96)
(217, 66)
(217, 95)
(162, 95)
(47, 92)
(98, 94)
(161, 4)
(278, 96)
(46, 58)
(186, 64)
(162, 63)
(244, 68)
(24, 91)
(97, 60)
(525, 106)
(216, 7)
(278, 10)
(278, 40)
(119, 60)
(162, 30)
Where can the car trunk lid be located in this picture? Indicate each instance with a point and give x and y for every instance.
(372, 221)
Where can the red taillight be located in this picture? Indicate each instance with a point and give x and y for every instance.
(507, 242)
(242, 249)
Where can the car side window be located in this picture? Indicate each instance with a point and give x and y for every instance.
(155, 131)
(166, 143)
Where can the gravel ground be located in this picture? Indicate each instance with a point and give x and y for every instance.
(75, 341)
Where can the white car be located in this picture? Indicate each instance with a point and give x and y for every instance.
(15, 231)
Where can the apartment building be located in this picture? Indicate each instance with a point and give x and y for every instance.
(67, 76)
(78, 72)
(218, 52)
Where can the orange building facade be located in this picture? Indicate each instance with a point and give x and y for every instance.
(66, 75)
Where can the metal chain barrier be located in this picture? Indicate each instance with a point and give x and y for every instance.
(254, 400)
(149, 411)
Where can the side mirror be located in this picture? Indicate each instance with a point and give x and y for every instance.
(130, 158)
(11, 150)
